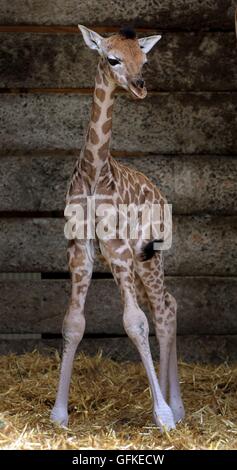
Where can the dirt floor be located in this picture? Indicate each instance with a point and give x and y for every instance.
(110, 406)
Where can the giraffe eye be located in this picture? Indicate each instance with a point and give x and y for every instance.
(113, 62)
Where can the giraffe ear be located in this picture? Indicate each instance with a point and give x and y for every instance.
(92, 39)
(146, 44)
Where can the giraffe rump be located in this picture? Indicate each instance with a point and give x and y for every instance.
(149, 250)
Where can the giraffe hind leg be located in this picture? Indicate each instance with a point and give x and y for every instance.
(136, 326)
(175, 399)
(165, 329)
(163, 309)
(141, 294)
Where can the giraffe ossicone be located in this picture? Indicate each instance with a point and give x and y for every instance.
(137, 270)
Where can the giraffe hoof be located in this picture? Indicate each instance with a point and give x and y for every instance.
(59, 417)
(163, 418)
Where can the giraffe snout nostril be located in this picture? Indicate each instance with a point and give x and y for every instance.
(138, 83)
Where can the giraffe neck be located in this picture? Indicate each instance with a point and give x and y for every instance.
(95, 152)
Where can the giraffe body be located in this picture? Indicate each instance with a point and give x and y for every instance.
(99, 175)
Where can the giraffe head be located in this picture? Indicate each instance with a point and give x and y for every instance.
(123, 56)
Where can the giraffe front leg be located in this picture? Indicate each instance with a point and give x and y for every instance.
(73, 330)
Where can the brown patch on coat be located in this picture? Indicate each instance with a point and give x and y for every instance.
(88, 168)
(110, 111)
(96, 110)
(103, 151)
(88, 155)
(100, 93)
(107, 126)
(77, 277)
(74, 263)
(126, 198)
(93, 136)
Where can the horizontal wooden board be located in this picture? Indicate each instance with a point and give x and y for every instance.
(201, 246)
(191, 348)
(163, 123)
(163, 14)
(206, 305)
(183, 61)
(192, 184)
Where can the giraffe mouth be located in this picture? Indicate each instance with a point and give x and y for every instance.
(137, 92)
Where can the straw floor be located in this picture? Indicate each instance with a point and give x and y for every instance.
(110, 406)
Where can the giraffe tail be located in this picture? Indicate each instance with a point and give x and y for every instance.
(149, 250)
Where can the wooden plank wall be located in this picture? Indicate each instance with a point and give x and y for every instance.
(183, 136)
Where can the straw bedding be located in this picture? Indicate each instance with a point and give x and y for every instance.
(110, 406)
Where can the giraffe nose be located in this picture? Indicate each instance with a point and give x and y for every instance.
(139, 82)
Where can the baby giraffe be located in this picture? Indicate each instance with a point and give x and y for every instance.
(136, 265)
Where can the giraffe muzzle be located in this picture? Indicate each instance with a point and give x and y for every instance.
(137, 88)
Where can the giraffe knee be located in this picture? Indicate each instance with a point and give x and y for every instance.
(136, 325)
(73, 325)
